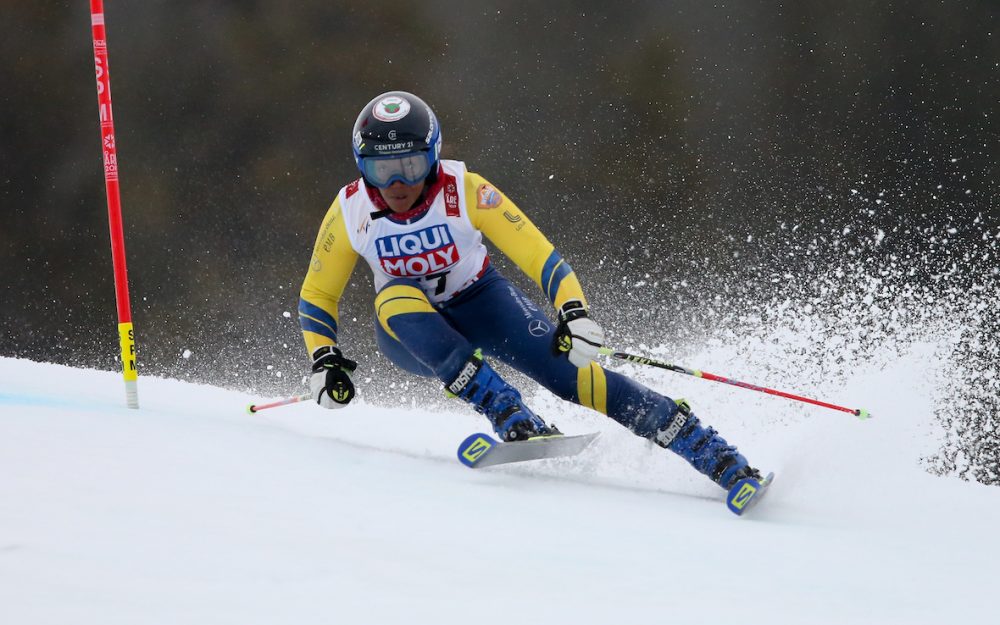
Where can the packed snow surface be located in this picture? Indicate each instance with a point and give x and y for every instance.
(189, 510)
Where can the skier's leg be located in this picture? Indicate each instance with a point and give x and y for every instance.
(414, 336)
(507, 324)
(420, 340)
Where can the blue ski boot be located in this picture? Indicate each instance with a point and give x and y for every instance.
(478, 384)
(703, 448)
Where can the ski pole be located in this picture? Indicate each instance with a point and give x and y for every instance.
(252, 408)
(860, 413)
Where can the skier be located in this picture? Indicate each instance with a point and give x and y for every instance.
(442, 309)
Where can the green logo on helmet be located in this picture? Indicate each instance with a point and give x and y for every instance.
(391, 108)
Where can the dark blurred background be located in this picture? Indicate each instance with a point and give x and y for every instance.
(679, 154)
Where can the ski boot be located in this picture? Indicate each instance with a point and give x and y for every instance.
(478, 384)
(703, 448)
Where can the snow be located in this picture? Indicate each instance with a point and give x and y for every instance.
(189, 510)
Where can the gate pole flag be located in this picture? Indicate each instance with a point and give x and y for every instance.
(126, 337)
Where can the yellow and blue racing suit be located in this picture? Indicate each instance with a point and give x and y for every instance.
(428, 330)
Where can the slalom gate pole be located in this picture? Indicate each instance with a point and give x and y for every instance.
(126, 336)
(643, 360)
(252, 408)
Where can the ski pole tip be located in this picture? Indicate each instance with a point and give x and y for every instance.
(251, 408)
(862, 414)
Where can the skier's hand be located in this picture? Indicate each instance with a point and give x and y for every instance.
(578, 335)
(331, 384)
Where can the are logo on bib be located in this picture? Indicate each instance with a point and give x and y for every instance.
(417, 253)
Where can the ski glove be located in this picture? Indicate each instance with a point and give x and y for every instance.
(578, 335)
(331, 384)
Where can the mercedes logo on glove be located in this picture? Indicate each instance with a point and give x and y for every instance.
(537, 327)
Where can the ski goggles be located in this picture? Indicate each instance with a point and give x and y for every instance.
(410, 169)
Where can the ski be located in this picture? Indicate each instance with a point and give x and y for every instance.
(482, 450)
(746, 493)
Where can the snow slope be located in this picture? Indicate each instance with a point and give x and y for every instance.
(191, 511)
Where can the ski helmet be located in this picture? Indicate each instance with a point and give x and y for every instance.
(396, 137)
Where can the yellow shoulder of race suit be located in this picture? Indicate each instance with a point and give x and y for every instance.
(332, 262)
(509, 229)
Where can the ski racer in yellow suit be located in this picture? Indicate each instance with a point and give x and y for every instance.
(443, 310)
